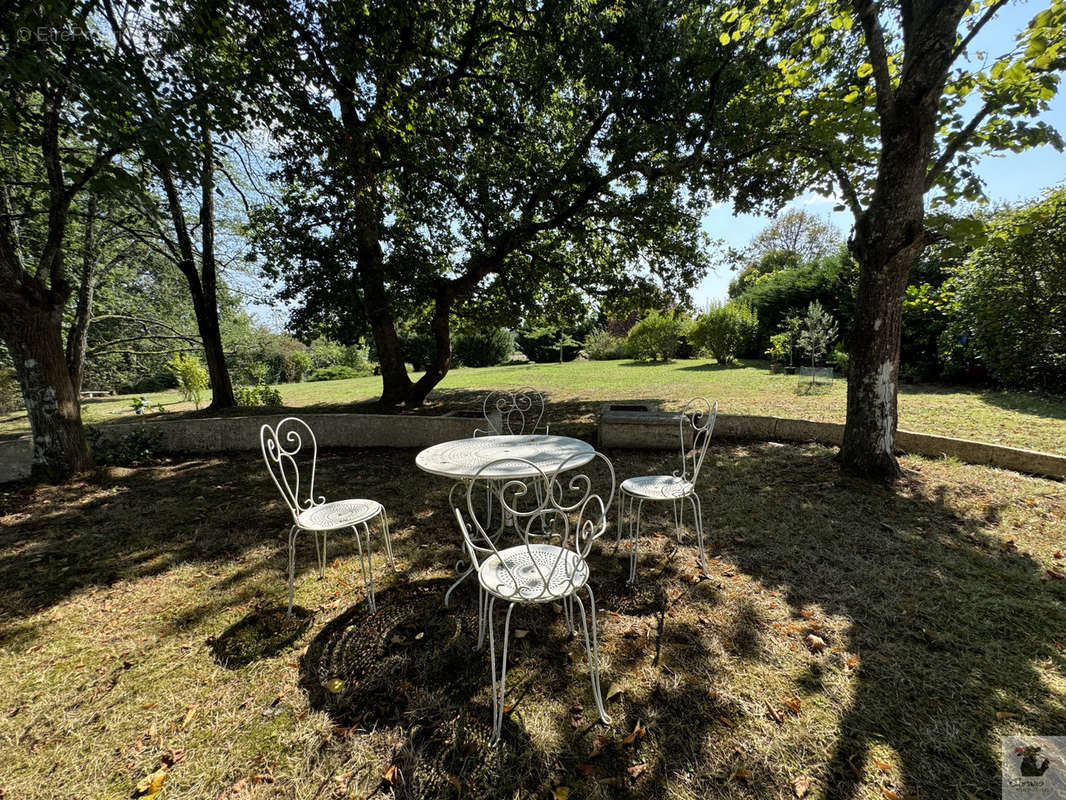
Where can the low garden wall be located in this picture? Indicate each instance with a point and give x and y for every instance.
(633, 426)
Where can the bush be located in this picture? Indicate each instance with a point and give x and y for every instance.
(191, 376)
(654, 337)
(603, 346)
(724, 330)
(128, 450)
(1009, 314)
(10, 393)
(299, 363)
(150, 384)
(257, 396)
(485, 347)
(338, 372)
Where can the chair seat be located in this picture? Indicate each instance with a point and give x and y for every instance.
(338, 514)
(657, 487)
(564, 570)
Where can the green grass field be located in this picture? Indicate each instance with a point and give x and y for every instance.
(576, 389)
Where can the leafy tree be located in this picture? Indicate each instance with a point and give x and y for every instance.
(796, 232)
(723, 330)
(602, 345)
(780, 293)
(1009, 298)
(654, 337)
(481, 159)
(890, 102)
(69, 110)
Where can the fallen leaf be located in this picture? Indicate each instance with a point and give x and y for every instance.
(614, 690)
(522, 634)
(889, 794)
(561, 793)
(815, 643)
(637, 770)
(881, 765)
(743, 774)
(151, 785)
(775, 714)
(334, 685)
(637, 734)
(727, 722)
(793, 704)
(391, 774)
(1006, 715)
(454, 781)
(597, 746)
(586, 769)
(801, 785)
(188, 717)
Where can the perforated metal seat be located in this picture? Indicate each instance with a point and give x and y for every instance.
(657, 487)
(338, 514)
(539, 573)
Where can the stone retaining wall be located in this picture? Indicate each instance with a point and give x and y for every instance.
(617, 429)
(658, 429)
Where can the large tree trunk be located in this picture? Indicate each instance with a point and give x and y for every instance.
(33, 334)
(888, 237)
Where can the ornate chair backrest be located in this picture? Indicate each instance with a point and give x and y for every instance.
(285, 447)
(696, 426)
(515, 412)
(560, 509)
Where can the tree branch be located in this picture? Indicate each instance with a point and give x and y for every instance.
(866, 11)
(957, 142)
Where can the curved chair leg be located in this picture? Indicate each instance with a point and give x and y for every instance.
(677, 521)
(365, 565)
(621, 509)
(498, 697)
(697, 511)
(292, 567)
(593, 651)
(482, 615)
(568, 613)
(634, 537)
(320, 553)
(388, 537)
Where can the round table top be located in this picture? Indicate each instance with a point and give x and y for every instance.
(464, 458)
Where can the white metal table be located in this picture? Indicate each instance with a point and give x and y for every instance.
(464, 459)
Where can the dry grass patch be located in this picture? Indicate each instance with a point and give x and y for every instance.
(849, 641)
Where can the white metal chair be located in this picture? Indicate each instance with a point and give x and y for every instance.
(284, 448)
(696, 427)
(555, 528)
(516, 413)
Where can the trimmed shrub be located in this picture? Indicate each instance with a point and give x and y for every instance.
(724, 330)
(337, 372)
(257, 396)
(603, 346)
(484, 347)
(654, 337)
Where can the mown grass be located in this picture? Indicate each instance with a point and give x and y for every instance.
(577, 388)
(141, 630)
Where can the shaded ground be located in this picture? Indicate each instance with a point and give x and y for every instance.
(577, 390)
(142, 629)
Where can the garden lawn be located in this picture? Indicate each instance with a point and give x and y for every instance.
(576, 390)
(142, 634)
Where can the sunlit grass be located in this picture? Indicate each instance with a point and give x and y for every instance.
(1018, 419)
(937, 600)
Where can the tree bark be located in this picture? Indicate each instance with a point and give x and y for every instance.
(32, 330)
(207, 307)
(203, 292)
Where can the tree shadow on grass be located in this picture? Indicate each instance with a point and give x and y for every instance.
(412, 668)
(262, 633)
(952, 633)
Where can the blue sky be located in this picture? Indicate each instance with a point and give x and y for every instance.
(1008, 177)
